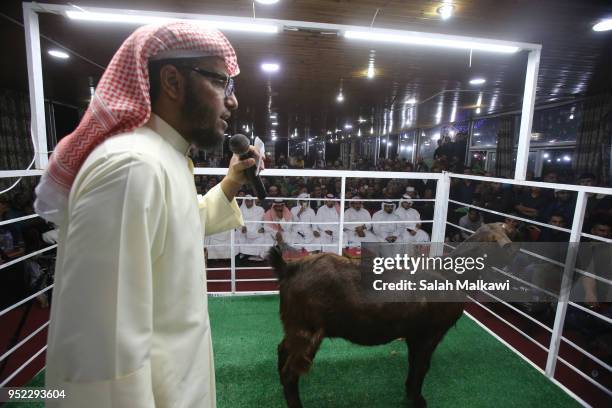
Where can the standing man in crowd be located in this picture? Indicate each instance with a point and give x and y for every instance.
(129, 321)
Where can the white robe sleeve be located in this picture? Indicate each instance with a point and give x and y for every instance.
(217, 213)
(116, 229)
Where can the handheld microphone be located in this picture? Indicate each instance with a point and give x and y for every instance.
(239, 144)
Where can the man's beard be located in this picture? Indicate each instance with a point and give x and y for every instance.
(194, 111)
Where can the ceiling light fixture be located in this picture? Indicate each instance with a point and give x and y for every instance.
(266, 2)
(371, 71)
(270, 67)
(446, 11)
(128, 18)
(434, 40)
(411, 101)
(603, 25)
(477, 81)
(58, 54)
(340, 97)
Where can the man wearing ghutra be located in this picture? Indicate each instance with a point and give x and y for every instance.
(328, 216)
(129, 320)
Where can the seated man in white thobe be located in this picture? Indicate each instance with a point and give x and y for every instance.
(389, 229)
(409, 216)
(217, 246)
(277, 224)
(328, 232)
(253, 232)
(303, 234)
(357, 233)
(414, 234)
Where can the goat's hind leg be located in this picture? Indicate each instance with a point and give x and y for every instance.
(295, 355)
(419, 359)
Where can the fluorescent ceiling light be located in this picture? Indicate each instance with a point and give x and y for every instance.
(428, 40)
(446, 11)
(348, 126)
(270, 67)
(371, 72)
(274, 123)
(58, 54)
(266, 1)
(477, 81)
(603, 25)
(151, 19)
(411, 101)
(340, 97)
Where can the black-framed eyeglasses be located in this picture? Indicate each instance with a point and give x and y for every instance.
(227, 80)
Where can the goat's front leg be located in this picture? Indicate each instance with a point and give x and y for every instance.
(419, 359)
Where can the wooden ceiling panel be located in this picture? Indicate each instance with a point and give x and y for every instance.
(313, 65)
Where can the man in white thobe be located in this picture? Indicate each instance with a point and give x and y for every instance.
(357, 224)
(302, 235)
(409, 216)
(129, 318)
(252, 233)
(414, 234)
(278, 223)
(217, 245)
(328, 232)
(389, 229)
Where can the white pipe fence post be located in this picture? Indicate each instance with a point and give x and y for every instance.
(531, 82)
(440, 210)
(566, 284)
(35, 83)
(341, 225)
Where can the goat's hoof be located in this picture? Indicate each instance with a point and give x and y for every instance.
(418, 402)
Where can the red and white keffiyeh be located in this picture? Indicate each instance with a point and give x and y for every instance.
(121, 102)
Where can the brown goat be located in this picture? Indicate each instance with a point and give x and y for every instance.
(321, 296)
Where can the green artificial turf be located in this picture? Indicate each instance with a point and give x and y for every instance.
(469, 369)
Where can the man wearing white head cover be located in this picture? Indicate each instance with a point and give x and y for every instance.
(357, 233)
(328, 233)
(302, 235)
(129, 318)
(277, 220)
(406, 214)
(252, 233)
(389, 230)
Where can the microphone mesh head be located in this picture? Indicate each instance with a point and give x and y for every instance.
(239, 144)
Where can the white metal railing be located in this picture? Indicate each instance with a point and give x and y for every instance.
(439, 221)
(569, 268)
(439, 225)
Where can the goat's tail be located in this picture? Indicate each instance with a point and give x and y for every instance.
(279, 266)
